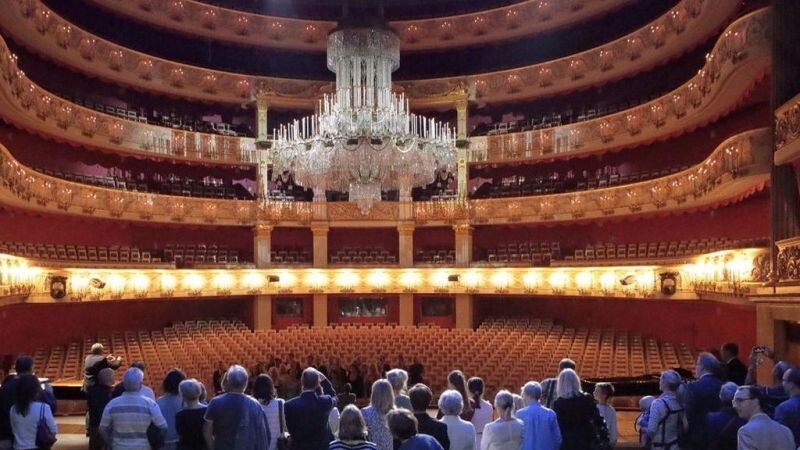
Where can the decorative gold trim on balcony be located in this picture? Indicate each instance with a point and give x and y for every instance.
(684, 26)
(523, 18)
(735, 169)
(740, 58)
(787, 131)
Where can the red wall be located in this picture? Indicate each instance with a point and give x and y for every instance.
(285, 237)
(434, 238)
(701, 324)
(26, 327)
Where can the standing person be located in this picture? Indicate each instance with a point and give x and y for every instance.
(760, 432)
(217, 377)
(458, 382)
(189, 421)
(8, 397)
(505, 433)
(460, 432)
(170, 403)
(97, 361)
(549, 384)
(97, 397)
(788, 412)
(483, 410)
(577, 415)
(398, 378)
(380, 403)
(667, 423)
(722, 426)
(416, 373)
(234, 420)
(540, 429)
(421, 397)
(307, 414)
(126, 418)
(352, 431)
(733, 368)
(702, 396)
(145, 390)
(27, 411)
(346, 397)
(602, 394)
(264, 392)
(403, 426)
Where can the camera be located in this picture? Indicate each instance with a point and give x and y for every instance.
(761, 349)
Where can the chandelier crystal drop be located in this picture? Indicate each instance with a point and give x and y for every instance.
(363, 139)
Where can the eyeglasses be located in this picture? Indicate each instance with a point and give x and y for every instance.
(740, 400)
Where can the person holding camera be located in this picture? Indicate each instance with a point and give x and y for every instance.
(774, 394)
(95, 362)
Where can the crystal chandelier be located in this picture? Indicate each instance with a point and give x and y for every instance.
(363, 139)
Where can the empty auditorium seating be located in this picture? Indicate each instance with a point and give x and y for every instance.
(505, 352)
(290, 256)
(362, 256)
(435, 256)
(661, 249)
(523, 253)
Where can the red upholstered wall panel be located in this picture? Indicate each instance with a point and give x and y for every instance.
(29, 326)
(384, 238)
(286, 237)
(434, 238)
(701, 324)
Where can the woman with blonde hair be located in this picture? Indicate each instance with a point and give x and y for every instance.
(380, 403)
(578, 418)
(352, 434)
(505, 433)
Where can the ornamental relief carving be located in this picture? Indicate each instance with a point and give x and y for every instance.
(789, 263)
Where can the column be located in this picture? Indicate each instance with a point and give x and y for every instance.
(262, 175)
(320, 233)
(262, 312)
(463, 244)
(262, 132)
(406, 309)
(461, 119)
(405, 247)
(262, 245)
(462, 174)
(320, 310)
(464, 311)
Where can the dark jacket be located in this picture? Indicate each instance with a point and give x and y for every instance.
(432, 427)
(8, 397)
(577, 418)
(307, 419)
(701, 398)
(721, 429)
(97, 397)
(735, 371)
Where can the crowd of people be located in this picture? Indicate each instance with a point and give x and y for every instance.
(721, 409)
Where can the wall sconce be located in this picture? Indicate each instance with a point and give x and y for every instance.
(58, 287)
(78, 286)
(440, 281)
(316, 282)
(116, 285)
(285, 281)
(253, 282)
(347, 281)
(379, 280)
(531, 282)
(608, 282)
(168, 284)
(410, 280)
(223, 282)
(583, 281)
(557, 281)
(140, 284)
(472, 281)
(645, 283)
(669, 282)
(501, 281)
(194, 283)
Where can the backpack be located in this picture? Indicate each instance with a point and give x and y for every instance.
(683, 439)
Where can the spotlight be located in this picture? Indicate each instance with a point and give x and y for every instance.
(273, 279)
(453, 278)
(627, 280)
(669, 282)
(58, 287)
(97, 283)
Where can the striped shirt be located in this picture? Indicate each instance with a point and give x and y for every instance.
(351, 445)
(126, 418)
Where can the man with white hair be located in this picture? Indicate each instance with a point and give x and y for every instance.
(234, 420)
(126, 418)
(702, 396)
(667, 424)
(308, 414)
(540, 429)
(97, 361)
(721, 426)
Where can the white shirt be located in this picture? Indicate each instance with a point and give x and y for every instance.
(610, 415)
(24, 428)
(460, 432)
(502, 435)
(272, 411)
(481, 417)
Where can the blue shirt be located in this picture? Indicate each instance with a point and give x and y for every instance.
(539, 428)
(421, 442)
(239, 423)
(170, 405)
(788, 414)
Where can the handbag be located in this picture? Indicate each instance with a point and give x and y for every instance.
(283, 437)
(44, 437)
(155, 437)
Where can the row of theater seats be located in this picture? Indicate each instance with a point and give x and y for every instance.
(171, 120)
(662, 249)
(555, 119)
(505, 352)
(289, 256)
(527, 252)
(207, 187)
(178, 253)
(438, 256)
(522, 186)
(362, 256)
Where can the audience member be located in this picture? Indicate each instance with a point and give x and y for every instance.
(483, 410)
(352, 431)
(775, 394)
(27, 411)
(126, 418)
(458, 382)
(760, 432)
(505, 433)
(372, 375)
(346, 397)
(189, 421)
(540, 426)
(416, 374)
(702, 396)
(356, 380)
(97, 361)
(97, 397)
(264, 392)
(421, 396)
(602, 394)
(403, 426)
(788, 412)
(234, 420)
(549, 384)
(217, 377)
(398, 378)
(643, 420)
(170, 403)
(333, 422)
(460, 432)
(667, 424)
(734, 369)
(8, 397)
(723, 425)
(307, 414)
(146, 390)
(380, 403)
(577, 415)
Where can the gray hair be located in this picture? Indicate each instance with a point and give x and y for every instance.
(671, 379)
(132, 379)
(532, 389)
(190, 389)
(451, 403)
(97, 348)
(780, 368)
(398, 378)
(708, 363)
(310, 378)
(568, 384)
(727, 391)
(236, 379)
(106, 376)
(504, 400)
